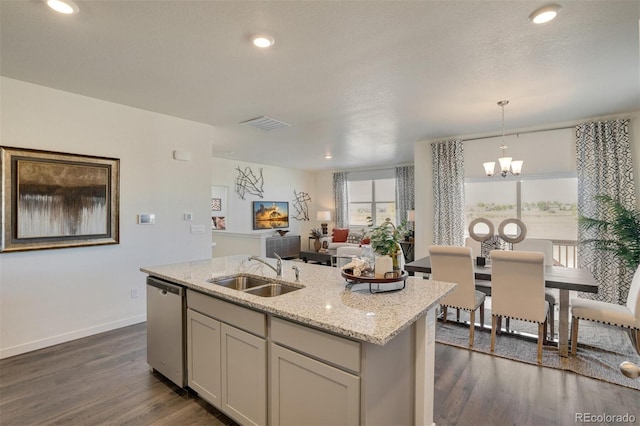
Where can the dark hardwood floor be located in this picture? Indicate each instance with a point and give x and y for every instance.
(104, 380)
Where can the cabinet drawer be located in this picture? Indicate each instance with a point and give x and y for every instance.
(246, 319)
(335, 350)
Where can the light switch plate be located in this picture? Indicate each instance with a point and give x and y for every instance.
(188, 216)
(146, 219)
(197, 229)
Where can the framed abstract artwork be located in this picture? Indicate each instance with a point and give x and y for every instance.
(270, 214)
(58, 200)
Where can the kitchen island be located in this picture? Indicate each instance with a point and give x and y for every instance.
(320, 354)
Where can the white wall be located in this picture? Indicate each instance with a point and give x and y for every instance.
(543, 152)
(278, 185)
(51, 296)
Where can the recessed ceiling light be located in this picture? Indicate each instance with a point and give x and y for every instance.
(68, 7)
(328, 156)
(262, 40)
(545, 13)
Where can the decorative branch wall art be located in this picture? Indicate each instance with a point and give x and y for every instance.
(300, 205)
(247, 181)
(55, 200)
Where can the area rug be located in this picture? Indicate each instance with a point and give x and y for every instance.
(601, 348)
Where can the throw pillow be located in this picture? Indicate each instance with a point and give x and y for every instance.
(340, 235)
(354, 238)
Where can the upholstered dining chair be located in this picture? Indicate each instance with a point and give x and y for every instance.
(551, 296)
(455, 265)
(476, 250)
(517, 290)
(626, 316)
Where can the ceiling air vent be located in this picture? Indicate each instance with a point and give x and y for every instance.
(265, 123)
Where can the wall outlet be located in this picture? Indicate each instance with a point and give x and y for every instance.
(188, 216)
(134, 293)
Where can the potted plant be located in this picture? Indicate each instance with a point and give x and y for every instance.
(385, 239)
(316, 234)
(623, 228)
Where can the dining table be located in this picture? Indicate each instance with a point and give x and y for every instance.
(559, 277)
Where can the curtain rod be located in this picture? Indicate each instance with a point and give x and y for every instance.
(520, 133)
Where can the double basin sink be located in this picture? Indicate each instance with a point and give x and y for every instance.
(254, 285)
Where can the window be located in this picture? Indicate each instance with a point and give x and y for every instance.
(373, 198)
(549, 208)
(495, 200)
(546, 205)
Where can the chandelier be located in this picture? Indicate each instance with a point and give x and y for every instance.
(506, 163)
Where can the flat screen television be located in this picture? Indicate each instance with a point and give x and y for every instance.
(270, 214)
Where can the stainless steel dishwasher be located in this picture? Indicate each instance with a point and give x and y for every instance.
(166, 329)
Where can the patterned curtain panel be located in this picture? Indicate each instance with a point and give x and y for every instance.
(341, 199)
(604, 167)
(448, 192)
(405, 192)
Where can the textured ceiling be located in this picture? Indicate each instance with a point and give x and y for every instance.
(363, 80)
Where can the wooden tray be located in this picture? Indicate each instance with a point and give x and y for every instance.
(390, 277)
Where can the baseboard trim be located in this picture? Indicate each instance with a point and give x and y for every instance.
(67, 337)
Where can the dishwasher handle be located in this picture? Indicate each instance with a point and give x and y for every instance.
(165, 286)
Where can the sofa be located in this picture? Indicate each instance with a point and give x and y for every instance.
(343, 237)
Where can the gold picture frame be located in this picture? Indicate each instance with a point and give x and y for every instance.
(58, 200)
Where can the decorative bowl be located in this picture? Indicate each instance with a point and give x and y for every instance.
(281, 232)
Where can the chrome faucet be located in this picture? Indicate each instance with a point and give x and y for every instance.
(295, 268)
(277, 269)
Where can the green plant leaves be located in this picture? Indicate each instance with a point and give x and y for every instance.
(620, 234)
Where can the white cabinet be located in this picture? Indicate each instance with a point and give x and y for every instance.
(244, 376)
(308, 392)
(314, 377)
(227, 365)
(203, 356)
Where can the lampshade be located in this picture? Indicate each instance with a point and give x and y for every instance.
(323, 215)
(505, 163)
(516, 167)
(489, 168)
(411, 215)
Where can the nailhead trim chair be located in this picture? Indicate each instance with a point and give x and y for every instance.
(546, 247)
(517, 290)
(455, 265)
(609, 313)
(476, 250)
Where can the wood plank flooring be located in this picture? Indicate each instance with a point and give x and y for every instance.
(104, 380)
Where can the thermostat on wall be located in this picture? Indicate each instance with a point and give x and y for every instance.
(146, 219)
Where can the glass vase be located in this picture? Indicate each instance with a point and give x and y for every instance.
(368, 256)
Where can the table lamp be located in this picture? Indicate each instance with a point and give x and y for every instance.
(324, 216)
(411, 219)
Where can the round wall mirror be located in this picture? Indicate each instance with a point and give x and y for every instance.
(481, 229)
(512, 230)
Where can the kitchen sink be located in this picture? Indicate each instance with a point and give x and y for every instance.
(240, 283)
(254, 285)
(271, 290)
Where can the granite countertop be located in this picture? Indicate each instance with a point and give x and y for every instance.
(324, 302)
